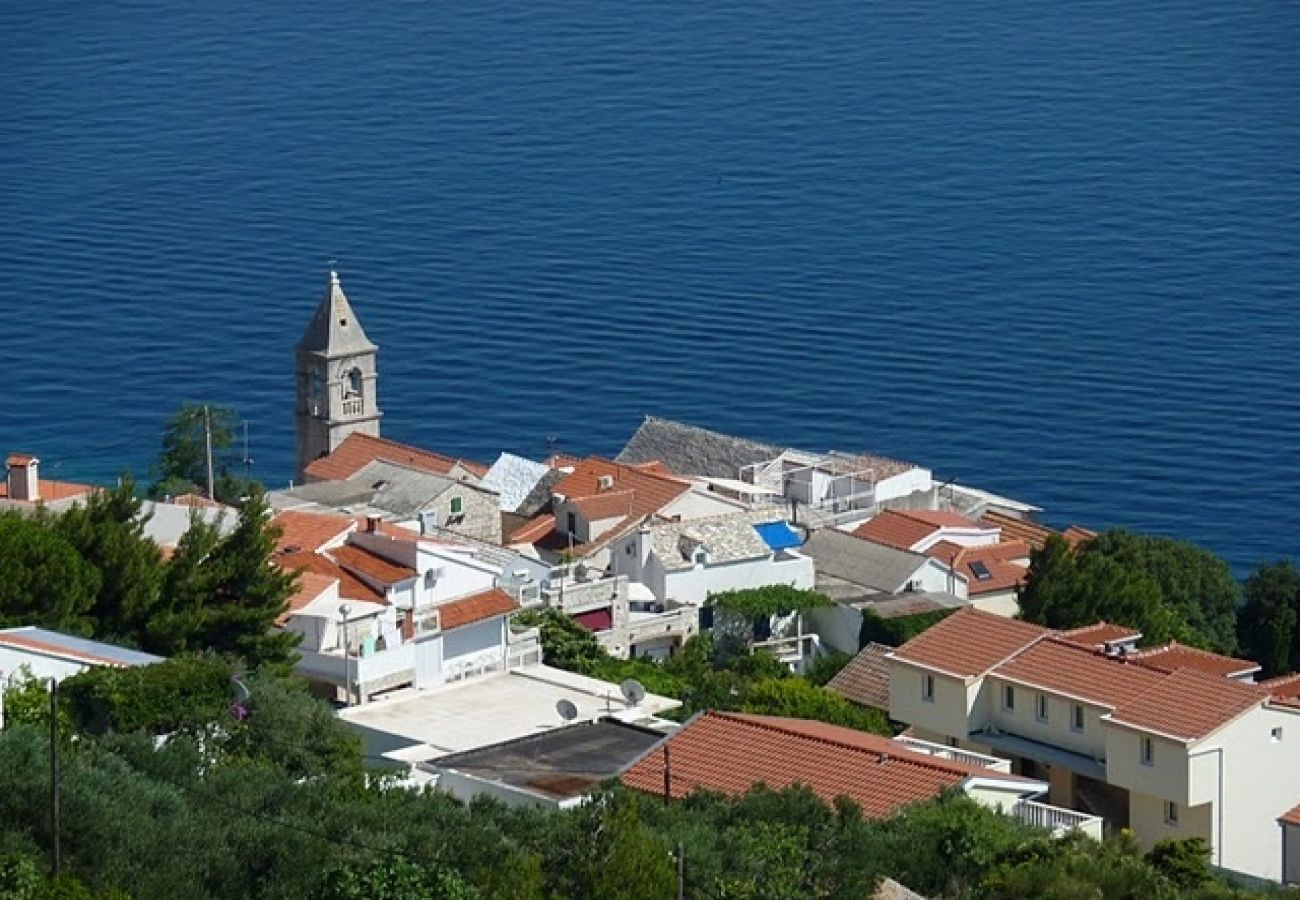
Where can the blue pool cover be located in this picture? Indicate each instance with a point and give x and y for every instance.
(778, 535)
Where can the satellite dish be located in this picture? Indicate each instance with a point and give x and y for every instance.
(568, 712)
(633, 692)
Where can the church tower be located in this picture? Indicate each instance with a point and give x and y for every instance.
(337, 378)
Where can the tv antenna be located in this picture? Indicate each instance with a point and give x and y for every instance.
(248, 459)
(633, 691)
(567, 710)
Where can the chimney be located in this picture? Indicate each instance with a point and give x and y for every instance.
(24, 480)
(372, 524)
(424, 524)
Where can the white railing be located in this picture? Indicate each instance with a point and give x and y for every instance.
(1056, 819)
(956, 754)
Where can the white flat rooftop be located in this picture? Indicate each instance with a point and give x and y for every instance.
(499, 707)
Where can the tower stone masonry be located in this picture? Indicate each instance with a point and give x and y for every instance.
(337, 379)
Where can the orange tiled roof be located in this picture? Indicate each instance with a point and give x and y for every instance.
(359, 450)
(731, 752)
(1032, 533)
(350, 586)
(1098, 634)
(1285, 688)
(197, 500)
(310, 586)
(51, 490)
(1174, 656)
(610, 505)
(650, 492)
(903, 529)
(20, 459)
(475, 608)
(998, 560)
(533, 530)
(1066, 668)
(301, 530)
(1188, 705)
(372, 565)
(1074, 535)
(969, 642)
(1291, 816)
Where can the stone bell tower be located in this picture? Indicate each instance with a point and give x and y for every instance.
(337, 378)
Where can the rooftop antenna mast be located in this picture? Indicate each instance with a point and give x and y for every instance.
(248, 459)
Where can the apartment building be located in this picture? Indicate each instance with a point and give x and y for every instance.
(1172, 742)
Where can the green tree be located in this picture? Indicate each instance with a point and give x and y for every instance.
(1186, 863)
(182, 463)
(108, 531)
(43, 579)
(395, 879)
(185, 693)
(1167, 589)
(607, 851)
(1266, 621)
(188, 581)
(246, 593)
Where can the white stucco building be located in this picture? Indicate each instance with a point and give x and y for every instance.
(1172, 742)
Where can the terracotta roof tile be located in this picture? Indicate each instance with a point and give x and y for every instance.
(1284, 687)
(1098, 634)
(51, 491)
(1291, 816)
(1032, 533)
(301, 530)
(475, 608)
(1188, 705)
(731, 752)
(1003, 565)
(1065, 668)
(865, 680)
(20, 459)
(359, 450)
(969, 642)
(905, 528)
(1074, 535)
(30, 643)
(610, 505)
(197, 501)
(363, 562)
(310, 586)
(350, 586)
(652, 492)
(1174, 656)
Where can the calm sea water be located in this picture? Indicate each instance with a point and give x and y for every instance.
(1046, 248)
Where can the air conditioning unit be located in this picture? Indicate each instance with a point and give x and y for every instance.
(605, 482)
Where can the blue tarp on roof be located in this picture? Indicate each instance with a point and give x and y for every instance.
(778, 535)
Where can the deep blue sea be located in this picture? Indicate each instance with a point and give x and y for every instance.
(1051, 249)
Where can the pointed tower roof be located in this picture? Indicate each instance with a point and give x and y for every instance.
(335, 329)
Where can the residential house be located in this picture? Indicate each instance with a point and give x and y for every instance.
(684, 562)
(31, 652)
(516, 480)
(693, 451)
(731, 752)
(402, 492)
(600, 501)
(1172, 742)
(860, 575)
(359, 450)
(381, 607)
(23, 488)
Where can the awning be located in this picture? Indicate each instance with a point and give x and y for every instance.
(595, 619)
(778, 535)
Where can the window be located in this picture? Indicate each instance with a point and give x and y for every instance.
(1042, 708)
(1148, 751)
(927, 688)
(1276, 735)
(352, 383)
(1076, 720)
(981, 571)
(1008, 698)
(631, 549)
(457, 506)
(1171, 812)
(571, 523)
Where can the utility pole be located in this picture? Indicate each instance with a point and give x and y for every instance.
(54, 774)
(207, 441)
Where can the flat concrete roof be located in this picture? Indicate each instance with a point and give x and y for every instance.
(560, 763)
(420, 725)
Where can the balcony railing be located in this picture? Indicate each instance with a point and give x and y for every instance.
(956, 754)
(353, 407)
(1056, 819)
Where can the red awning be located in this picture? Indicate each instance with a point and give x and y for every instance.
(596, 619)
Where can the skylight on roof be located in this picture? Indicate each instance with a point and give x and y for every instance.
(981, 571)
